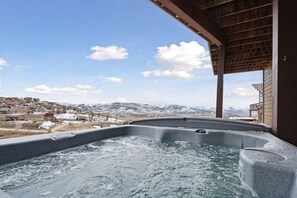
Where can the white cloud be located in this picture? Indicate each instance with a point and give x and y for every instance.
(147, 73)
(167, 73)
(180, 60)
(84, 86)
(96, 91)
(121, 99)
(183, 57)
(242, 92)
(114, 80)
(76, 90)
(108, 53)
(3, 63)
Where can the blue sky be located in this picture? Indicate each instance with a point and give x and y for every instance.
(104, 51)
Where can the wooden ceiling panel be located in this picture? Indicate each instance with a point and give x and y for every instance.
(251, 33)
(249, 25)
(235, 7)
(202, 4)
(236, 19)
(249, 40)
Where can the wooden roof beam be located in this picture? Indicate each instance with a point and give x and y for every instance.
(247, 21)
(194, 18)
(249, 37)
(247, 49)
(246, 69)
(245, 10)
(248, 30)
(249, 43)
(246, 62)
(232, 70)
(246, 41)
(212, 5)
(244, 57)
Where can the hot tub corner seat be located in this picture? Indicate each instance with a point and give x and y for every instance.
(271, 171)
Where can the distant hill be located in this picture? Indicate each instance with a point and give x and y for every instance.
(29, 105)
(124, 109)
(22, 105)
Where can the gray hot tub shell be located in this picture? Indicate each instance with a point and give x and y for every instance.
(267, 164)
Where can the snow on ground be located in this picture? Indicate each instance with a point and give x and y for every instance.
(46, 125)
(66, 116)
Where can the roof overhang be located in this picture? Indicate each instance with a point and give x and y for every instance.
(243, 27)
(258, 87)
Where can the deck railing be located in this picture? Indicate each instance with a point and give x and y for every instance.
(256, 106)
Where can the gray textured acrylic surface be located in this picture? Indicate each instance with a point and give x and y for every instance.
(266, 164)
(204, 123)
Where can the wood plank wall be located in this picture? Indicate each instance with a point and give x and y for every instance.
(267, 96)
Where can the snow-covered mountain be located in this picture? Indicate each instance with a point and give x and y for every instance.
(125, 109)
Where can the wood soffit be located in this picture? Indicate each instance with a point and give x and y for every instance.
(244, 27)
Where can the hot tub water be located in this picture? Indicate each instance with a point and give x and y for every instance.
(128, 167)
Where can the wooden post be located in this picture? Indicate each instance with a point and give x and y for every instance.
(275, 68)
(284, 70)
(220, 82)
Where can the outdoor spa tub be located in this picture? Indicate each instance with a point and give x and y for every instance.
(169, 157)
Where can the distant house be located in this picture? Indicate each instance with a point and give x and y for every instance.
(14, 117)
(12, 98)
(49, 116)
(4, 111)
(11, 105)
(40, 110)
(28, 99)
(30, 106)
(82, 117)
